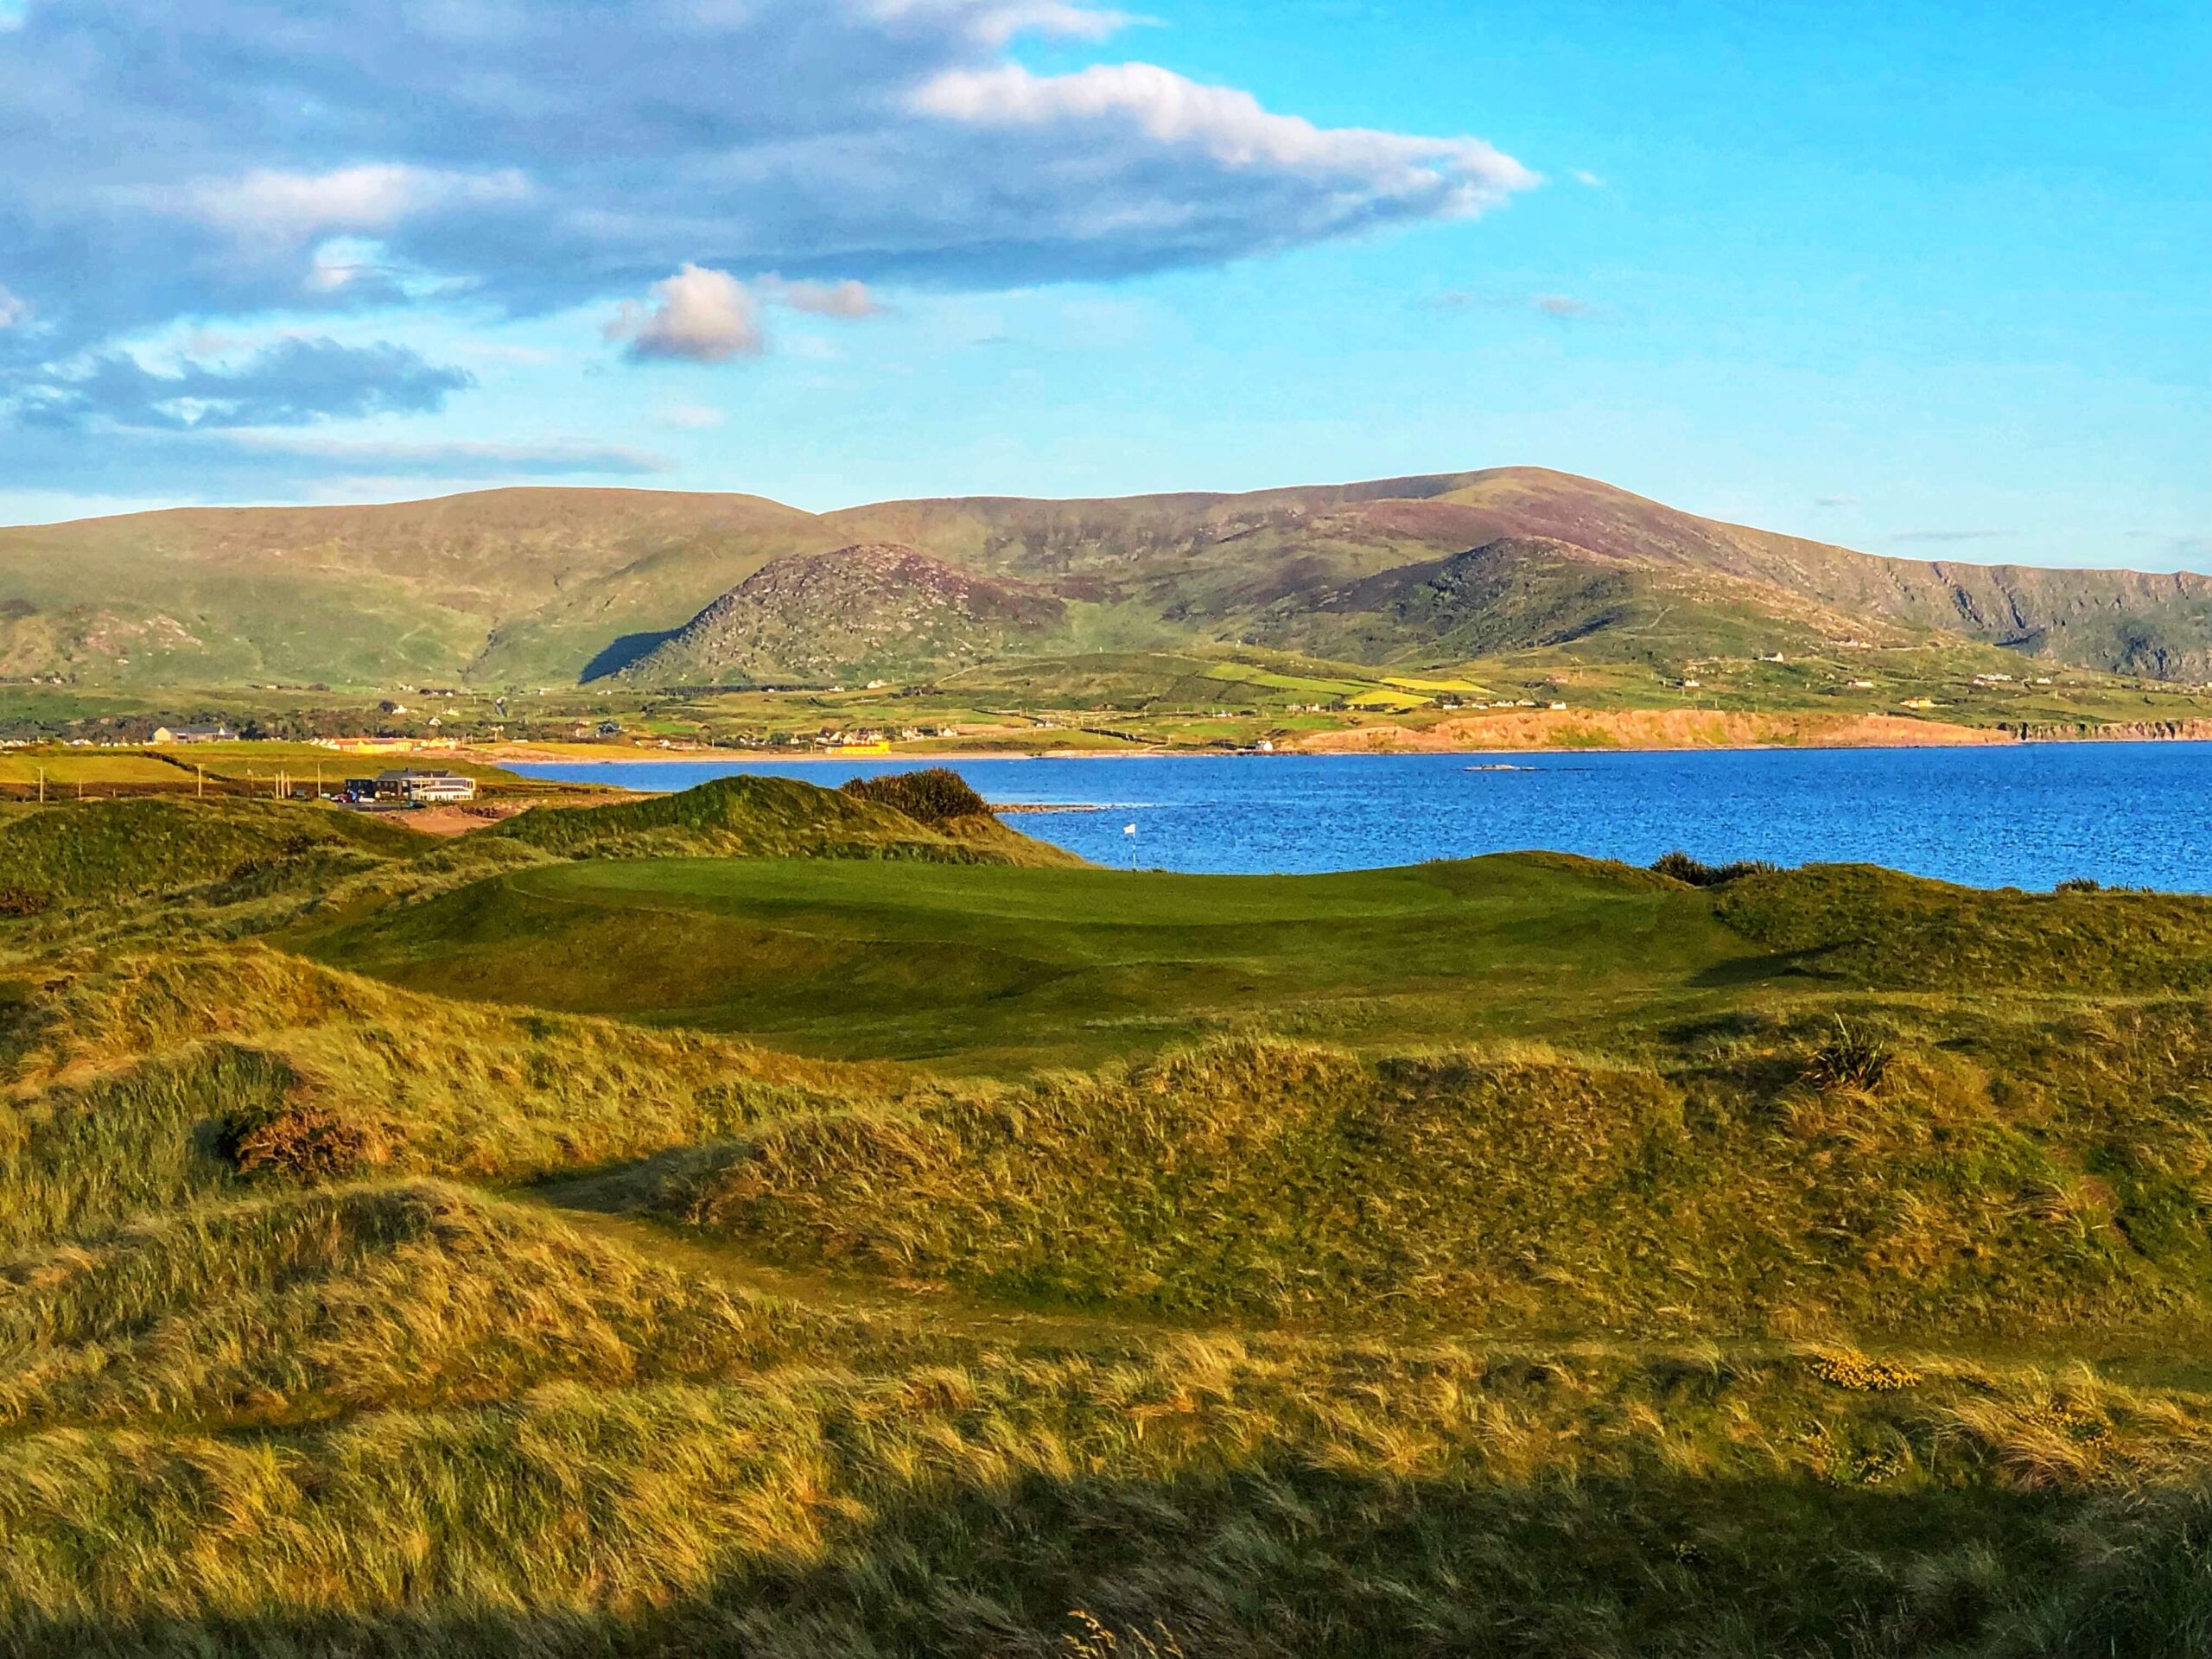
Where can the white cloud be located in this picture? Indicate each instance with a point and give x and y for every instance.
(690, 417)
(1452, 175)
(850, 300)
(238, 165)
(998, 21)
(268, 205)
(201, 170)
(1587, 179)
(699, 316)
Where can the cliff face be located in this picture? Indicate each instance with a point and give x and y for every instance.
(2117, 731)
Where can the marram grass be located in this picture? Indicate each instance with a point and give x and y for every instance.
(1571, 1311)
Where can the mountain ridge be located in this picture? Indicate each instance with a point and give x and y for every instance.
(539, 585)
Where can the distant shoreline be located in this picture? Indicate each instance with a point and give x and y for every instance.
(1646, 731)
(1486, 752)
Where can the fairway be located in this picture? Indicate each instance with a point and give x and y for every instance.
(993, 969)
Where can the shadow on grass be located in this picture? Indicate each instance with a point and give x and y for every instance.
(1289, 1561)
(1736, 972)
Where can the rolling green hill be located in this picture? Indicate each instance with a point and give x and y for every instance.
(524, 588)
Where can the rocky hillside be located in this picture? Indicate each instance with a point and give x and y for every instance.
(1522, 591)
(525, 587)
(870, 609)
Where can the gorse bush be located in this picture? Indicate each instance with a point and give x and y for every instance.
(1680, 866)
(310, 1144)
(18, 901)
(931, 797)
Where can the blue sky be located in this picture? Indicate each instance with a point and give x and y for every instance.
(1932, 280)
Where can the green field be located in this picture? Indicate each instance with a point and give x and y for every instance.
(790, 1223)
(1194, 699)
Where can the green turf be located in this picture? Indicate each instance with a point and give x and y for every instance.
(1004, 968)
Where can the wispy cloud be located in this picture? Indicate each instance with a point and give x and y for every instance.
(229, 466)
(1565, 307)
(849, 300)
(1835, 500)
(690, 417)
(1949, 535)
(433, 459)
(2177, 544)
(292, 382)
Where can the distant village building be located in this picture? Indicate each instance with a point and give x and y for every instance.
(195, 734)
(413, 787)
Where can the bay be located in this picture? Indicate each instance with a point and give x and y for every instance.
(2019, 815)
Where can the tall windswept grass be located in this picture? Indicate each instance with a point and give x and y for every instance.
(442, 1087)
(779, 818)
(283, 1306)
(1512, 1190)
(1626, 1346)
(1231, 1498)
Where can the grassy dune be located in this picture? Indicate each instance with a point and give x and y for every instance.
(1527, 1257)
(112, 849)
(1523, 1192)
(109, 874)
(774, 817)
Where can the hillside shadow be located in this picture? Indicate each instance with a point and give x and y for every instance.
(1736, 972)
(623, 650)
(1280, 1560)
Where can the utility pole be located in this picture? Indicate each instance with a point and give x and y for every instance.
(199, 790)
(42, 786)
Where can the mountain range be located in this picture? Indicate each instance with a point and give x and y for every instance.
(520, 587)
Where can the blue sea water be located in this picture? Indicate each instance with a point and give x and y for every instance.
(2024, 815)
